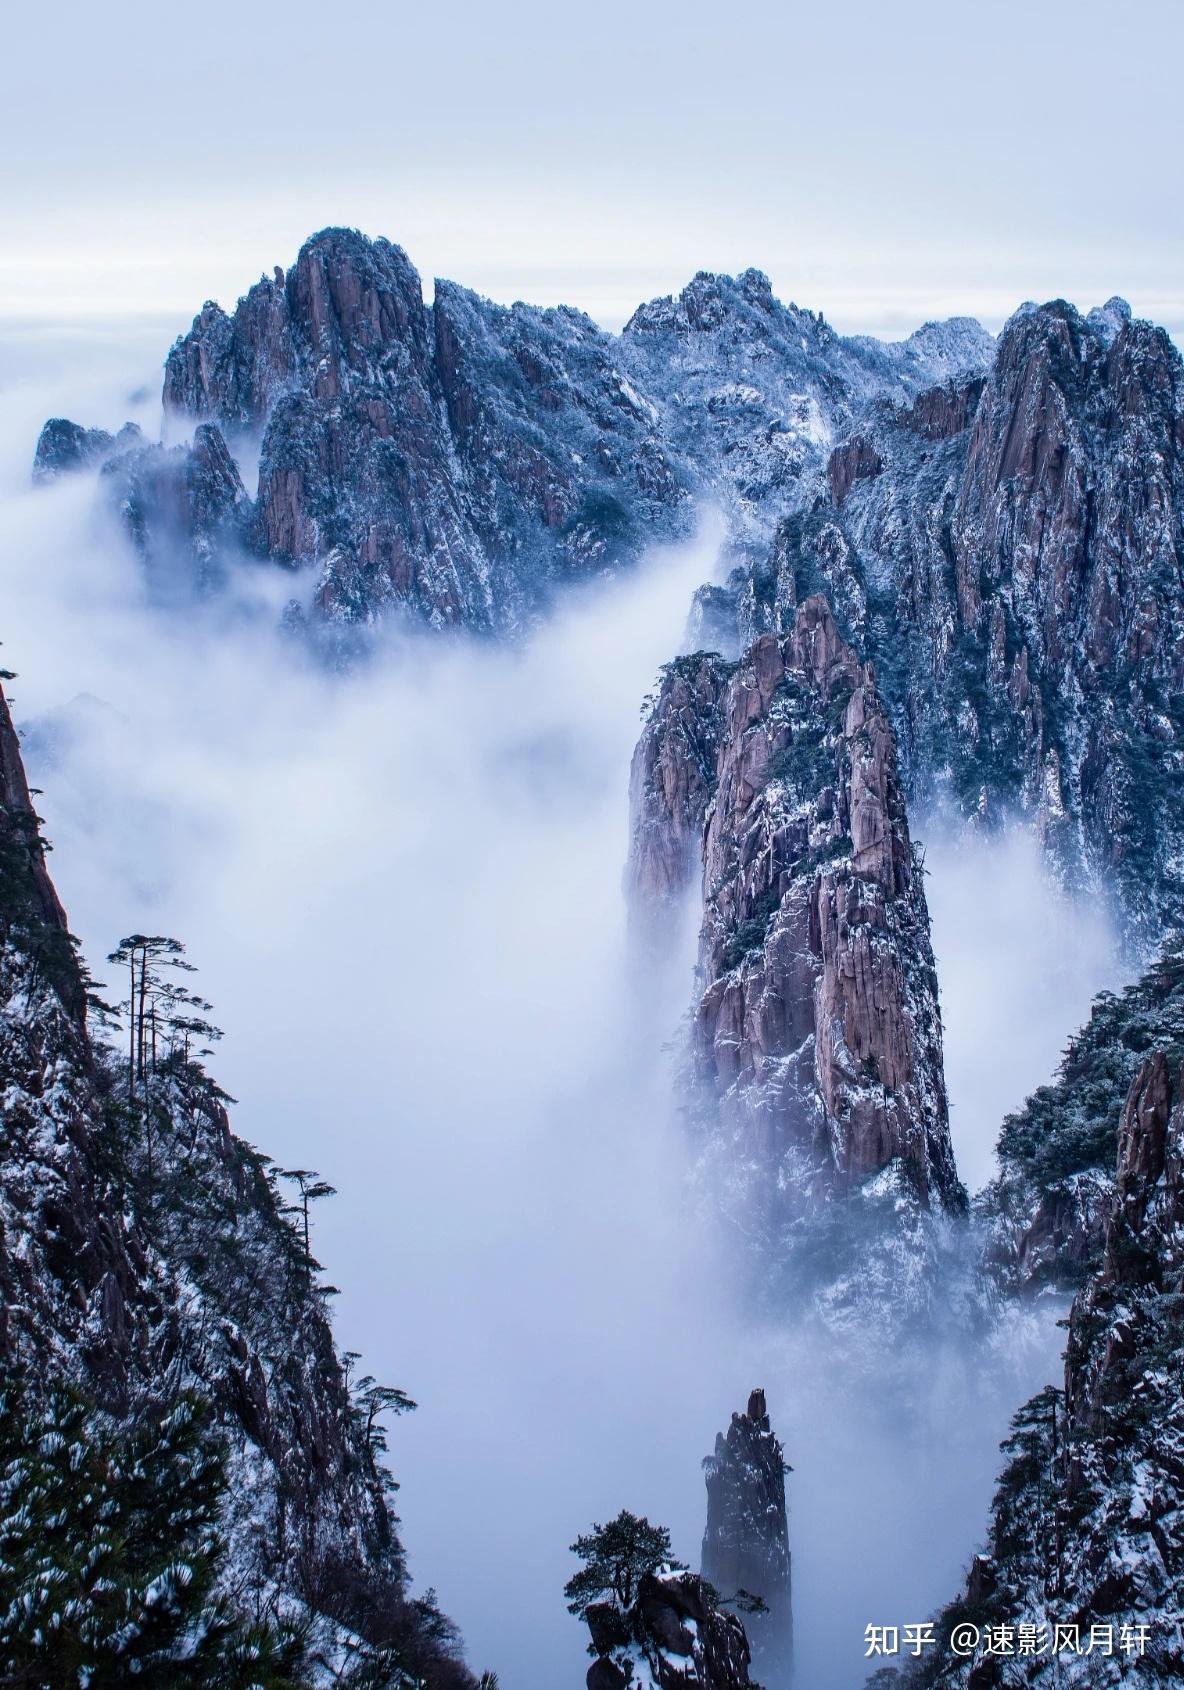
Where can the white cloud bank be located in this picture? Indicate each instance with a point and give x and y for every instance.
(403, 891)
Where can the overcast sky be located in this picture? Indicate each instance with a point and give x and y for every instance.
(882, 162)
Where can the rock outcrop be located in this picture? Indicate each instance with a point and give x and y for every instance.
(144, 1251)
(1049, 1206)
(816, 1039)
(456, 463)
(746, 1544)
(1086, 1527)
(671, 784)
(1010, 553)
(673, 1636)
(65, 446)
(998, 527)
(752, 393)
(185, 509)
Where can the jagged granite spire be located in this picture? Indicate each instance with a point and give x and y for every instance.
(1007, 550)
(746, 1543)
(816, 1074)
(456, 462)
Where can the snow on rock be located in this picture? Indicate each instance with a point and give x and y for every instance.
(815, 1060)
(459, 462)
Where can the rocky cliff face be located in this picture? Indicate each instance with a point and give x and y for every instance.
(1009, 553)
(997, 527)
(751, 392)
(673, 1636)
(1047, 1211)
(1086, 1526)
(458, 462)
(746, 1543)
(185, 509)
(816, 1036)
(144, 1251)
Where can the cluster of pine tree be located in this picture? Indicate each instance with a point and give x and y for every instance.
(109, 1553)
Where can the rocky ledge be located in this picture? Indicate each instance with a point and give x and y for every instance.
(673, 1636)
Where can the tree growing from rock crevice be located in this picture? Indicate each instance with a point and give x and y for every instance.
(616, 1558)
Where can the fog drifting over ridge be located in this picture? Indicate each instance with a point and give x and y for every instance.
(402, 888)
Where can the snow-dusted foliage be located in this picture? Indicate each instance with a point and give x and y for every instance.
(1047, 1210)
(673, 1635)
(1087, 1528)
(752, 393)
(109, 1552)
(147, 1261)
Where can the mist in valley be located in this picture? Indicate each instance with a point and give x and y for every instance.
(402, 886)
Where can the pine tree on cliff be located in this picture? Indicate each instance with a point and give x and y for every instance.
(109, 1554)
(617, 1557)
(162, 1016)
(312, 1189)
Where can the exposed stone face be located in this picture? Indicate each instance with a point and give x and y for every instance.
(1014, 568)
(185, 509)
(816, 1035)
(1143, 1129)
(855, 460)
(1048, 1238)
(673, 1637)
(671, 784)
(457, 463)
(746, 1543)
(943, 412)
(64, 446)
(1086, 1526)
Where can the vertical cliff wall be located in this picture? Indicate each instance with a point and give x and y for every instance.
(1085, 1531)
(816, 1057)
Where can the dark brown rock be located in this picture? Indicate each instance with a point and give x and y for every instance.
(671, 783)
(816, 1036)
(604, 1674)
(1025, 534)
(855, 460)
(746, 1541)
(451, 461)
(944, 412)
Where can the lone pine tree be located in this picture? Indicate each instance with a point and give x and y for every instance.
(617, 1557)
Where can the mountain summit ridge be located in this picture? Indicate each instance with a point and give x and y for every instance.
(457, 462)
